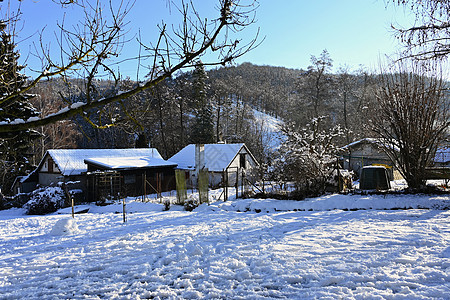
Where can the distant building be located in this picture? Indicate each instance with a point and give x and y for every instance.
(371, 152)
(442, 158)
(23, 184)
(367, 152)
(441, 165)
(231, 160)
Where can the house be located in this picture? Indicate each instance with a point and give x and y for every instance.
(68, 165)
(367, 152)
(24, 184)
(230, 160)
(442, 157)
(441, 165)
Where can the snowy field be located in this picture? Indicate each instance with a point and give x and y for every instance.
(239, 249)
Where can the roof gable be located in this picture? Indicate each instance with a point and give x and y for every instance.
(217, 156)
(71, 161)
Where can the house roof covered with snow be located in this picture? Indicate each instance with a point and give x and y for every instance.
(373, 141)
(217, 156)
(71, 161)
(442, 155)
(135, 162)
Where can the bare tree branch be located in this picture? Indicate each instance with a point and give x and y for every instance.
(412, 117)
(430, 38)
(88, 47)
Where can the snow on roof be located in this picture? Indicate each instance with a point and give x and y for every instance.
(374, 167)
(217, 156)
(114, 163)
(442, 155)
(373, 141)
(71, 161)
(365, 140)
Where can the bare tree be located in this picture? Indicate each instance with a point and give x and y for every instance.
(430, 38)
(88, 49)
(345, 83)
(316, 84)
(412, 117)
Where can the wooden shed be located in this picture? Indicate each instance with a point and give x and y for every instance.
(128, 176)
(68, 165)
(367, 152)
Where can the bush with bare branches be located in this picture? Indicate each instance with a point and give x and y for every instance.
(412, 117)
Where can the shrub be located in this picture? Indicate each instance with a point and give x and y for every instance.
(191, 202)
(166, 204)
(45, 200)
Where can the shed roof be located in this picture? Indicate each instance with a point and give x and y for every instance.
(134, 162)
(217, 156)
(372, 141)
(442, 153)
(71, 161)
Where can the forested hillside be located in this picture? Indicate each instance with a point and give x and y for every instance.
(298, 96)
(165, 116)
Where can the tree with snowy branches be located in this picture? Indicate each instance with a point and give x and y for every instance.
(14, 146)
(308, 156)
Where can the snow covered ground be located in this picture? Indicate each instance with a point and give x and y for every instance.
(311, 249)
(273, 137)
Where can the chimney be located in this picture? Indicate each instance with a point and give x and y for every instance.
(199, 157)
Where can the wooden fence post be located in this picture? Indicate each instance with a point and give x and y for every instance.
(180, 179)
(237, 183)
(123, 210)
(226, 185)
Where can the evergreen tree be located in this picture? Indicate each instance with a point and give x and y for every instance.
(202, 131)
(141, 141)
(14, 146)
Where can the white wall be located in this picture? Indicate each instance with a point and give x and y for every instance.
(45, 165)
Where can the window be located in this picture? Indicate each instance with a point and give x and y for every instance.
(242, 161)
(129, 179)
(50, 165)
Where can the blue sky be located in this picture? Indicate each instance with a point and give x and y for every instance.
(355, 32)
